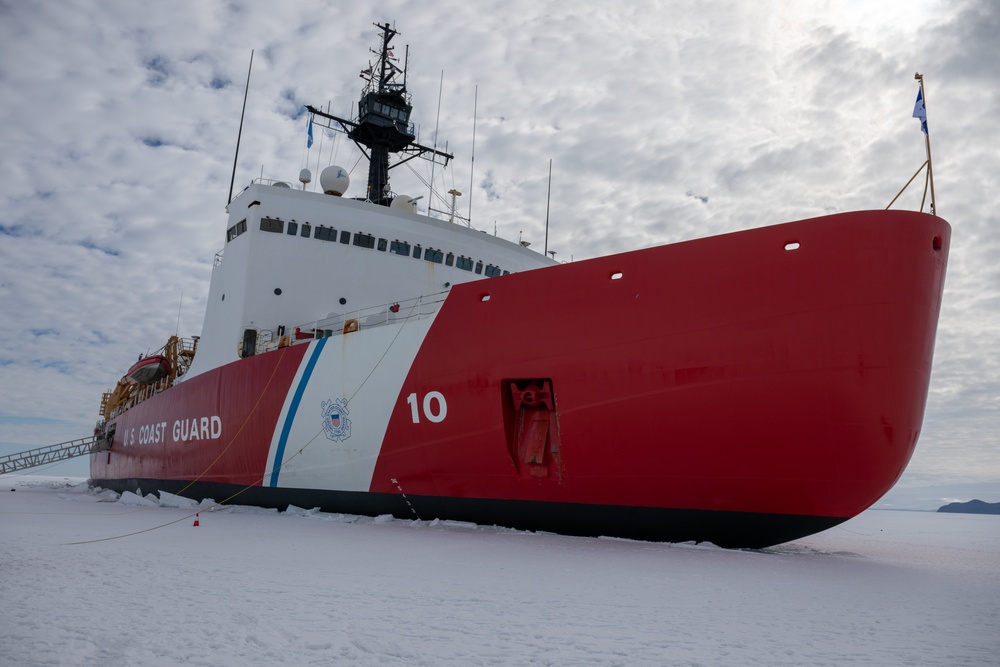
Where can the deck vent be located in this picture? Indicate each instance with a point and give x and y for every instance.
(485, 297)
(617, 275)
(793, 245)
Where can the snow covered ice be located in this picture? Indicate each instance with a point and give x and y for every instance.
(254, 587)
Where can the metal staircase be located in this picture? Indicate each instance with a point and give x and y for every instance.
(48, 454)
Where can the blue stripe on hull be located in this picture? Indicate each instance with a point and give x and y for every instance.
(293, 408)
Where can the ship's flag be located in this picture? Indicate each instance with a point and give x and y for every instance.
(920, 112)
(309, 139)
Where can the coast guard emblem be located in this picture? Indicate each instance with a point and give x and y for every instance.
(335, 422)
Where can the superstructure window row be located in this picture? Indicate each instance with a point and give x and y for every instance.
(363, 240)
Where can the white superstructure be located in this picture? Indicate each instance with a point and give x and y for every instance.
(300, 263)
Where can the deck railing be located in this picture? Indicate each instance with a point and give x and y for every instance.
(396, 312)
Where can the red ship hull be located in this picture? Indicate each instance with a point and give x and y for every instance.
(744, 389)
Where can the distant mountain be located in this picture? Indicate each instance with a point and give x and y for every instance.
(972, 507)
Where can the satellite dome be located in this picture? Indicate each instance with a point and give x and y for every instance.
(404, 203)
(334, 180)
(280, 184)
(305, 176)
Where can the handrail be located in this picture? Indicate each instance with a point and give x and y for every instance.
(396, 312)
(374, 316)
(48, 454)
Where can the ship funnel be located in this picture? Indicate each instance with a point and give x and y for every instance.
(334, 180)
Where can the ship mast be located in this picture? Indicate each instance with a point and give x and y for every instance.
(383, 124)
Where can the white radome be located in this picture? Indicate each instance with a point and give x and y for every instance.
(334, 180)
(404, 203)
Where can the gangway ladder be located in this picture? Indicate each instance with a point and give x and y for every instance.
(48, 454)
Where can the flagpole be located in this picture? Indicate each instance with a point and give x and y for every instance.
(927, 141)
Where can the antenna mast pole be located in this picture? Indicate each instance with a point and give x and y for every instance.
(179, 306)
(434, 155)
(548, 197)
(239, 134)
(383, 124)
(472, 167)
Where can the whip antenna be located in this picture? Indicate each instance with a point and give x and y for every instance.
(240, 133)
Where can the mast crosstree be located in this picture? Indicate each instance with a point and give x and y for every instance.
(383, 125)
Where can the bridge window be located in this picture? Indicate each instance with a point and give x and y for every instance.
(236, 230)
(325, 233)
(479, 267)
(364, 240)
(416, 251)
(382, 245)
(449, 259)
(400, 247)
(306, 229)
(464, 263)
(271, 225)
(432, 255)
(492, 271)
(293, 228)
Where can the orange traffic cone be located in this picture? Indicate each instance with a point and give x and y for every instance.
(196, 519)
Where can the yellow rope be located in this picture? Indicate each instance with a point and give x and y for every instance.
(207, 468)
(138, 532)
(242, 426)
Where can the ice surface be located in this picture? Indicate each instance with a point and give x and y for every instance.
(136, 500)
(170, 500)
(252, 586)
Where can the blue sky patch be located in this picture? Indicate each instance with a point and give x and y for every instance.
(157, 66)
(29, 420)
(90, 245)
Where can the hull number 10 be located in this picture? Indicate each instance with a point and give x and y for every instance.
(435, 408)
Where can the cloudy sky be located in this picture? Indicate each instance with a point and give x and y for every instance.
(664, 121)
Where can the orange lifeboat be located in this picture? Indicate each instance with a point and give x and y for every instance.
(149, 370)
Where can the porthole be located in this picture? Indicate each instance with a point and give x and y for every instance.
(277, 291)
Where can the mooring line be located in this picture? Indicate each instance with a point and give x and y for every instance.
(267, 473)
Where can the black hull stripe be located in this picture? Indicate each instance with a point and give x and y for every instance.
(734, 530)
